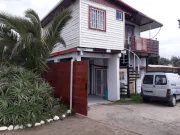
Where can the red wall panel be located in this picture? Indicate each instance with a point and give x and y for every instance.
(58, 75)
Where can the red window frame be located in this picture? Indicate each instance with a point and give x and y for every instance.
(104, 19)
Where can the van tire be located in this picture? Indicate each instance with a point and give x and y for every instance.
(173, 101)
(145, 100)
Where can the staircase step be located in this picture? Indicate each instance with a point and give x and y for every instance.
(133, 71)
(132, 80)
(134, 74)
(134, 77)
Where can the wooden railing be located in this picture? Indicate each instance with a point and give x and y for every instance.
(144, 46)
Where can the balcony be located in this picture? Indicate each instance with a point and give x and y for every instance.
(144, 46)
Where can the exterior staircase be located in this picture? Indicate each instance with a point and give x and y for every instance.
(133, 69)
(133, 75)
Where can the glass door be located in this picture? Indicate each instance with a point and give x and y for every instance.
(101, 81)
(129, 32)
(98, 82)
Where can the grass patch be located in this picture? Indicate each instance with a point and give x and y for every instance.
(135, 98)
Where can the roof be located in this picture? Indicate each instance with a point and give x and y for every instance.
(140, 18)
(161, 67)
(132, 14)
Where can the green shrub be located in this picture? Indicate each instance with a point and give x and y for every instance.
(25, 97)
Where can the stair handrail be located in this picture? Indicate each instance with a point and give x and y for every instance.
(139, 63)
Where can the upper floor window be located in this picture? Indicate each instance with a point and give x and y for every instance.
(97, 19)
(119, 15)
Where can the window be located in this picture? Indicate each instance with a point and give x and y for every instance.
(148, 79)
(119, 15)
(97, 19)
(160, 80)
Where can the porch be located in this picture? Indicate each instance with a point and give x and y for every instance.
(94, 78)
(94, 99)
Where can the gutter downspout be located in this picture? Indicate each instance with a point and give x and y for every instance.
(71, 83)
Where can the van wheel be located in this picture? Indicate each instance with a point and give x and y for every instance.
(145, 100)
(173, 101)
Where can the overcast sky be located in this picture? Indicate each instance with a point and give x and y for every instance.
(164, 11)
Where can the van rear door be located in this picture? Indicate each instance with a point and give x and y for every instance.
(161, 86)
(147, 85)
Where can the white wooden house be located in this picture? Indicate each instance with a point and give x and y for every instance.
(106, 33)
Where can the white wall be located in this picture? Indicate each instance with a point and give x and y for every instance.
(99, 62)
(125, 81)
(113, 38)
(113, 78)
(71, 31)
(139, 81)
(143, 62)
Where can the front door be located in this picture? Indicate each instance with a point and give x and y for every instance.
(101, 81)
(129, 32)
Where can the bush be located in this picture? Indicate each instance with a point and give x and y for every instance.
(25, 97)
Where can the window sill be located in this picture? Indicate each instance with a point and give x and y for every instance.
(97, 29)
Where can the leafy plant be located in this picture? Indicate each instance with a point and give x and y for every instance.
(25, 97)
(26, 43)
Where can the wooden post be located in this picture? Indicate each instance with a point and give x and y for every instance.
(128, 90)
(146, 64)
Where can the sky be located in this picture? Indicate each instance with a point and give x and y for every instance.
(164, 11)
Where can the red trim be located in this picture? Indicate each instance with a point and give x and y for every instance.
(63, 52)
(95, 50)
(104, 19)
(115, 51)
(108, 4)
(99, 50)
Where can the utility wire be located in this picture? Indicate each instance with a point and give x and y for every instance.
(157, 33)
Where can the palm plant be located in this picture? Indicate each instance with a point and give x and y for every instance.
(30, 45)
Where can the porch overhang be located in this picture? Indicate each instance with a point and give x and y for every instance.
(133, 15)
(82, 50)
(146, 23)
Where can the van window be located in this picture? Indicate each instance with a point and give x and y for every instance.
(160, 80)
(148, 79)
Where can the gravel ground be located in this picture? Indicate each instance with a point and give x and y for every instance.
(136, 119)
(144, 119)
(75, 125)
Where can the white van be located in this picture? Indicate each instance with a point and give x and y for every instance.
(161, 86)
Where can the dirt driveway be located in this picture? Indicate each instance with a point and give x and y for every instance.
(144, 119)
(75, 125)
(137, 119)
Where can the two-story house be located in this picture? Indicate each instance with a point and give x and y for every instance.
(105, 34)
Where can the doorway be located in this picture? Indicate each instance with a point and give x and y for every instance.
(100, 81)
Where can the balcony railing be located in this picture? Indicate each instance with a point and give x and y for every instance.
(144, 46)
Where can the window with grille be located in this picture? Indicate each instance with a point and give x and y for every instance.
(97, 19)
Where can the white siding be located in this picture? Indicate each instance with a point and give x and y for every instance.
(113, 38)
(71, 31)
